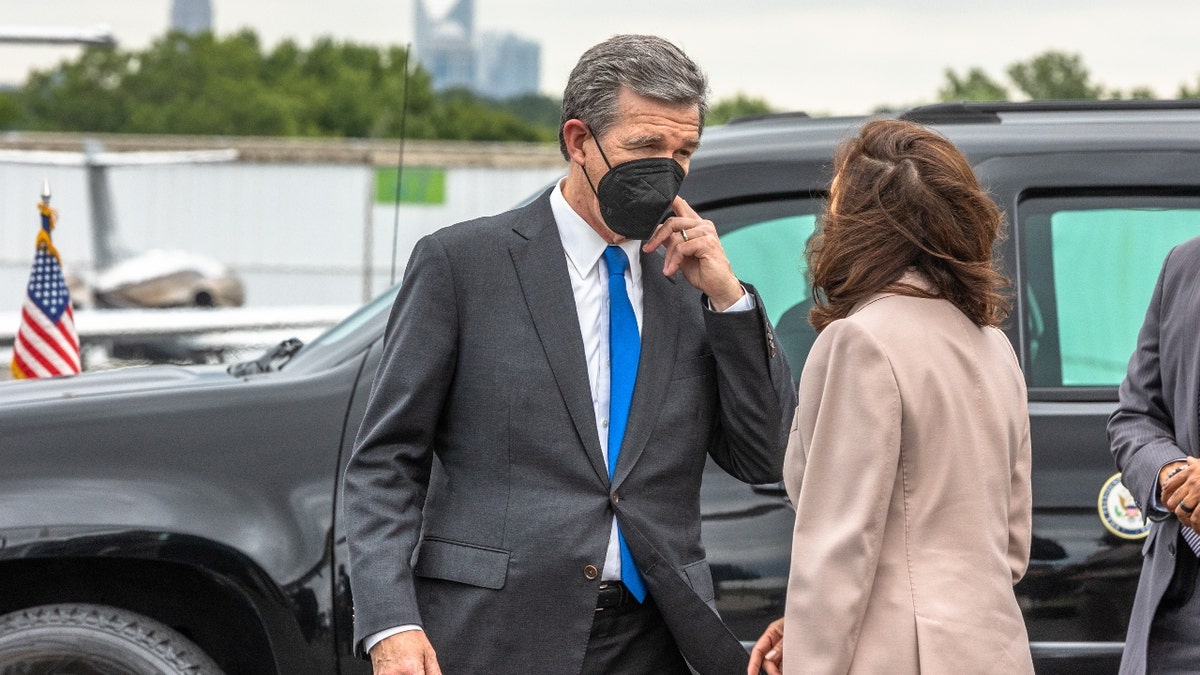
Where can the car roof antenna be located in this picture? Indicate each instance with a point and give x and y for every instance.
(400, 165)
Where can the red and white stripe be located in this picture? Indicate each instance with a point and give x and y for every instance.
(43, 348)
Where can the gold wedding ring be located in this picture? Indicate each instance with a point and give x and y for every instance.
(683, 233)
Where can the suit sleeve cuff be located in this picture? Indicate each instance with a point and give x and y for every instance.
(375, 638)
(744, 304)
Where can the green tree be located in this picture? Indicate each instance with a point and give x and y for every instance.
(1054, 75)
(1141, 93)
(81, 95)
(974, 85)
(1188, 92)
(202, 84)
(536, 109)
(10, 109)
(461, 115)
(740, 105)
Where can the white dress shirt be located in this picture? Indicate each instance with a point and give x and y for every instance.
(584, 248)
(589, 282)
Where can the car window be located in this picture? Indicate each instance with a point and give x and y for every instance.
(1090, 265)
(329, 342)
(765, 243)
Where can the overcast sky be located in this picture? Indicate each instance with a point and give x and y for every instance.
(836, 56)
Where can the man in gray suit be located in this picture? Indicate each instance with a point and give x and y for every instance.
(1155, 439)
(524, 492)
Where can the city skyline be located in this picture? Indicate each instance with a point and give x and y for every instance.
(494, 64)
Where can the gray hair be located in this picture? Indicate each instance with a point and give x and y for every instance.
(648, 65)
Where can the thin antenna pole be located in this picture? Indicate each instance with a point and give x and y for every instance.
(400, 164)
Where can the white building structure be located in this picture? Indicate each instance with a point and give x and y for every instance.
(301, 221)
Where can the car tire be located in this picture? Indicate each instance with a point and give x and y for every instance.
(95, 640)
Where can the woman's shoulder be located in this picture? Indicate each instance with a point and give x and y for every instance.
(905, 323)
(888, 313)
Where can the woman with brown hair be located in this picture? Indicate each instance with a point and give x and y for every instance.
(909, 455)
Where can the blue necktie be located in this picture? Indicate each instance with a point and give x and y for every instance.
(624, 350)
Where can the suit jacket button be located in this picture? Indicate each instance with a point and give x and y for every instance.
(591, 572)
(616, 498)
(1171, 548)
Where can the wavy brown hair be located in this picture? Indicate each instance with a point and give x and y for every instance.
(904, 196)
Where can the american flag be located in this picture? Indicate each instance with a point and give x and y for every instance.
(46, 343)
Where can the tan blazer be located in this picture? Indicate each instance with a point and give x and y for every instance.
(909, 468)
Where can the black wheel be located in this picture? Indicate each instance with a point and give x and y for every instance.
(204, 299)
(78, 639)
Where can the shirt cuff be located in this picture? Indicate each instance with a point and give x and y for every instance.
(744, 303)
(375, 638)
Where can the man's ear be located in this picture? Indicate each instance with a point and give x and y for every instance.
(575, 135)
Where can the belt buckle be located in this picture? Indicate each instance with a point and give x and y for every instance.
(612, 594)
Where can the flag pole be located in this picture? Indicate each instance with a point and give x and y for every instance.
(46, 343)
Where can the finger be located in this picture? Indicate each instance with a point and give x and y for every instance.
(774, 662)
(683, 219)
(1178, 479)
(683, 209)
(759, 651)
(431, 662)
(1170, 494)
(1173, 492)
(1187, 494)
(662, 235)
(1191, 520)
(677, 251)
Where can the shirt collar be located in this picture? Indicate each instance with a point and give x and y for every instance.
(583, 245)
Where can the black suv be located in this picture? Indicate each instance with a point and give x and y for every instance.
(187, 519)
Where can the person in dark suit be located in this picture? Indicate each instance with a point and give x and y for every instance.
(1154, 438)
(524, 493)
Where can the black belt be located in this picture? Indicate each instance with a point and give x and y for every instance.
(613, 594)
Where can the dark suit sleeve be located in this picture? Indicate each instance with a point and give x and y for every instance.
(1141, 430)
(388, 474)
(757, 397)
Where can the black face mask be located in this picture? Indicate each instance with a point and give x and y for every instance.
(636, 196)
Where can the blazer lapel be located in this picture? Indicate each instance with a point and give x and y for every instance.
(660, 325)
(541, 267)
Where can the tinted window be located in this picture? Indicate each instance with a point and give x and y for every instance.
(765, 243)
(342, 339)
(1090, 265)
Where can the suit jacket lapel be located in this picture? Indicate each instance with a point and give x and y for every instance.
(660, 325)
(541, 267)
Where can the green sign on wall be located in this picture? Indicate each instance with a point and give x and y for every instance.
(419, 185)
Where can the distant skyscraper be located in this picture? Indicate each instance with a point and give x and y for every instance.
(445, 45)
(507, 66)
(497, 65)
(191, 16)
